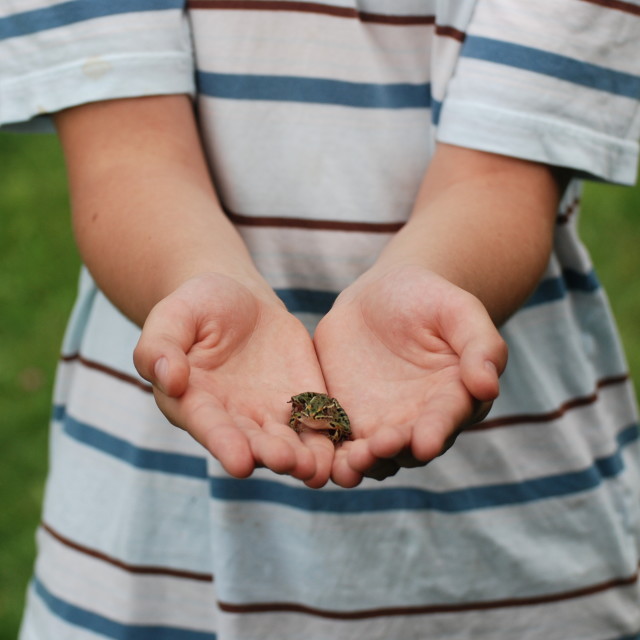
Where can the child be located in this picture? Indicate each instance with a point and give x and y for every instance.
(421, 159)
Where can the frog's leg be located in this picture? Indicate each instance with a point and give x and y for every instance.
(295, 423)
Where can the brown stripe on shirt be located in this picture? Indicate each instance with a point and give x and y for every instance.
(312, 7)
(565, 215)
(574, 403)
(278, 607)
(130, 568)
(450, 32)
(91, 364)
(322, 225)
(504, 421)
(619, 5)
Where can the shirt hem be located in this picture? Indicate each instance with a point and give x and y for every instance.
(588, 153)
(27, 101)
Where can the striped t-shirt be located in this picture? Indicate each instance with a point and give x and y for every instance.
(319, 119)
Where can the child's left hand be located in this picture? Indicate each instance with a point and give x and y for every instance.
(413, 359)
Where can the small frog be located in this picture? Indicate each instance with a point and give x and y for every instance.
(319, 412)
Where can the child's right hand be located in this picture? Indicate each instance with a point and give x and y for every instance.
(224, 362)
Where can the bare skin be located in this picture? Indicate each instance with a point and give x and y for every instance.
(426, 344)
(151, 231)
(224, 355)
(223, 363)
(422, 321)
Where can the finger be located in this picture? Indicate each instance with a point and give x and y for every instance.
(479, 371)
(437, 427)
(407, 460)
(480, 412)
(389, 441)
(323, 451)
(161, 353)
(281, 449)
(363, 463)
(360, 458)
(272, 452)
(211, 426)
(230, 446)
(469, 330)
(450, 441)
(272, 446)
(382, 469)
(342, 473)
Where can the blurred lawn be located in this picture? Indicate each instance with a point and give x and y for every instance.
(38, 272)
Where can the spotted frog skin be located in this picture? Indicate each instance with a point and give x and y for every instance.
(318, 411)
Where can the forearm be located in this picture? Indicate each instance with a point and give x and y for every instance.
(485, 223)
(145, 214)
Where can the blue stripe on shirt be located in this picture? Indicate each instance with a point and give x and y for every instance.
(307, 300)
(142, 458)
(314, 90)
(553, 289)
(549, 290)
(109, 628)
(354, 500)
(436, 109)
(66, 13)
(406, 498)
(552, 64)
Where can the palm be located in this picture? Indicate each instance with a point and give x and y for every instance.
(386, 356)
(245, 358)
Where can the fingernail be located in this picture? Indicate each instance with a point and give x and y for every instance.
(491, 367)
(161, 371)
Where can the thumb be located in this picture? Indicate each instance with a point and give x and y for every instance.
(161, 353)
(480, 369)
(481, 348)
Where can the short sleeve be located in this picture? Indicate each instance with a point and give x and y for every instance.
(553, 81)
(55, 55)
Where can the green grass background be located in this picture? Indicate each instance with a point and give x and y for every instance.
(38, 274)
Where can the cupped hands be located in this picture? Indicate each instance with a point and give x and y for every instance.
(411, 357)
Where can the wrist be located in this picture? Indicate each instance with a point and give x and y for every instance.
(211, 277)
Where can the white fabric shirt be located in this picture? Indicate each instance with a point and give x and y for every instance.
(319, 120)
